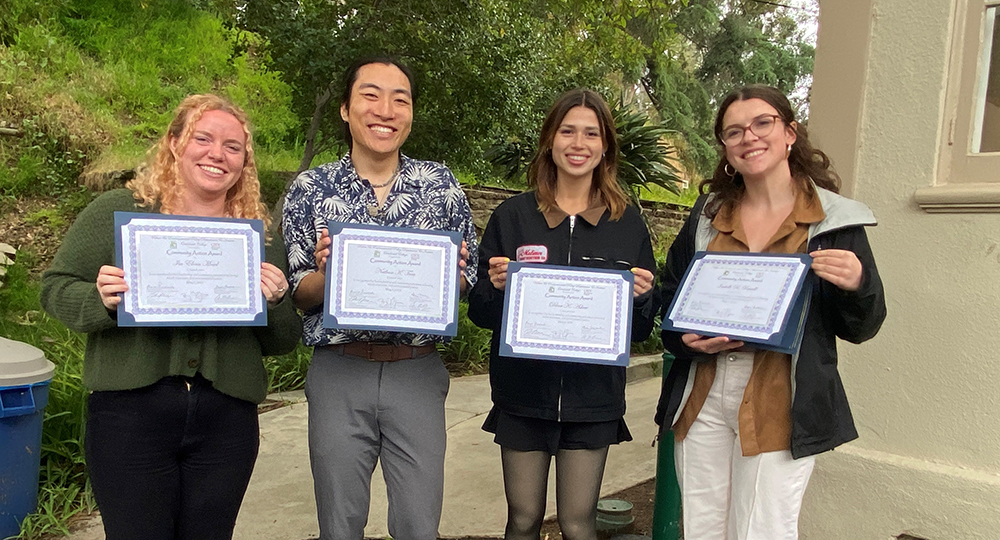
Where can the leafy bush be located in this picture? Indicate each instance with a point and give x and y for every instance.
(288, 371)
(468, 353)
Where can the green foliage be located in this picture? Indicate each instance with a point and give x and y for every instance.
(468, 353)
(511, 158)
(485, 69)
(82, 79)
(653, 343)
(49, 216)
(725, 44)
(288, 371)
(266, 99)
(645, 153)
(47, 162)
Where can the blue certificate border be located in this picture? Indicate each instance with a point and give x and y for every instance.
(787, 338)
(126, 314)
(556, 351)
(333, 312)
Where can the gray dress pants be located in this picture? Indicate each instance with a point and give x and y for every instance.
(362, 411)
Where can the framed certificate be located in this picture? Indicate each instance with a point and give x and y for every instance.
(190, 271)
(759, 298)
(385, 278)
(567, 314)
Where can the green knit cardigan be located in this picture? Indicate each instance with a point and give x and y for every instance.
(133, 357)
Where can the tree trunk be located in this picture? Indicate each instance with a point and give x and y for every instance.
(322, 100)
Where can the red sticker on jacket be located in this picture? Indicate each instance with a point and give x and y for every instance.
(532, 254)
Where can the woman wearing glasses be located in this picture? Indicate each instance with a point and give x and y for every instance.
(748, 422)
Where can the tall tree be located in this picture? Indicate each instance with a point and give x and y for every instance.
(726, 44)
(486, 68)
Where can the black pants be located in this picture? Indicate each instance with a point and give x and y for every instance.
(170, 461)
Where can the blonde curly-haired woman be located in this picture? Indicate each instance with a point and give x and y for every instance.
(172, 430)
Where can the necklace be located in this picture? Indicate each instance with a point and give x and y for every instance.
(391, 179)
(373, 209)
(386, 183)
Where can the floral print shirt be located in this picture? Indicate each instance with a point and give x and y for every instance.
(425, 195)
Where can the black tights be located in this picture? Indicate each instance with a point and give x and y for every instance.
(578, 487)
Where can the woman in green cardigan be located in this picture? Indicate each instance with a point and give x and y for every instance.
(172, 430)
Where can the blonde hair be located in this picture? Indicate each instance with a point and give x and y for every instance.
(542, 172)
(158, 180)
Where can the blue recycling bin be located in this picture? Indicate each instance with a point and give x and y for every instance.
(25, 374)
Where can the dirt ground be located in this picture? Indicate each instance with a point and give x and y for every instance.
(641, 497)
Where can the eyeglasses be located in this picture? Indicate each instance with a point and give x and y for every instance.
(762, 126)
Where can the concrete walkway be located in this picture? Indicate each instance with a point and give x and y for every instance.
(279, 504)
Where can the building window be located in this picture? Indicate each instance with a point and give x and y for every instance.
(967, 178)
(986, 125)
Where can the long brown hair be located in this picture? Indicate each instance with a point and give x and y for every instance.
(542, 172)
(805, 162)
(158, 181)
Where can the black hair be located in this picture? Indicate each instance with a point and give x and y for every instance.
(351, 76)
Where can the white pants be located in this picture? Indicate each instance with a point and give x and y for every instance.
(724, 495)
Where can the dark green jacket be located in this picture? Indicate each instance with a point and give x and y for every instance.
(131, 357)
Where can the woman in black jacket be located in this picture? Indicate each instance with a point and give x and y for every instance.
(748, 422)
(576, 215)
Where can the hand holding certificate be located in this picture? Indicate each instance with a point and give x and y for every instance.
(568, 314)
(758, 298)
(185, 271)
(383, 278)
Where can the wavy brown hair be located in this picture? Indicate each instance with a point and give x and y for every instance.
(542, 172)
(158, 181)
(805, 162)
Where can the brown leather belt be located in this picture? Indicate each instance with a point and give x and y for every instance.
(382, 352)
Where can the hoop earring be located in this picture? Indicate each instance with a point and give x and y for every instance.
(726, 168)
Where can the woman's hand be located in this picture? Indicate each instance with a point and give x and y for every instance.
(709, 345)
(643, 281)
(838, 266)
(111, 283)
(498, 272)
(322, 252)
(273, 283)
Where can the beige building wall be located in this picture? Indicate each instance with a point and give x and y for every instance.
(926, 391)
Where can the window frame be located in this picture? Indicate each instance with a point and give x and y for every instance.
(964, 181)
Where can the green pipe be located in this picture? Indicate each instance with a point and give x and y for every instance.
(667, 504)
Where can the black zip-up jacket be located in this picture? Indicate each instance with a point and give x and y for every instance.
(552, 390)
(821, 417)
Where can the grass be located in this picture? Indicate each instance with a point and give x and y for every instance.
(288, 371)
(686, 197)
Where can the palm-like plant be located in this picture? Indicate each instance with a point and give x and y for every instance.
(645, 154)
(511, 157)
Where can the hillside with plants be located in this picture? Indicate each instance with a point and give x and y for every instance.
(87, 86)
